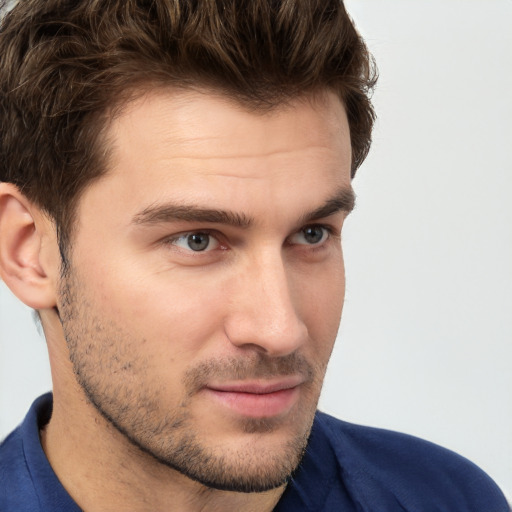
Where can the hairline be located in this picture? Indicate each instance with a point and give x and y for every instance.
(104, 144)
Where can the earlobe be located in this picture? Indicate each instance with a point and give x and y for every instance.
(23, 233)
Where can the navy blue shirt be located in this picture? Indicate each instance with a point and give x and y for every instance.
(347, 468)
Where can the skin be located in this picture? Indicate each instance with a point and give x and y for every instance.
(181, 376)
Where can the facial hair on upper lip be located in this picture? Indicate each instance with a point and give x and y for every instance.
(164, 422)
(259, 366)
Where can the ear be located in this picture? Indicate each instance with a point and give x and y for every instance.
(29, 257)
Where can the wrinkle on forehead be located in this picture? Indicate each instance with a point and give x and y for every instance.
(207, 152)
(203, 122)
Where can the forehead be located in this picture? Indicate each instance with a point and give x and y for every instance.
(204, 149)
(209, 124)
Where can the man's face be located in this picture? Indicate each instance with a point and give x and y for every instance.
(206, 281)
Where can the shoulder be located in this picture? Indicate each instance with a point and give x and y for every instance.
(416, 473)
(27, 481)
(16, 488)
(23, 465)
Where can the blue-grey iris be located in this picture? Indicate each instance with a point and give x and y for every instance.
(313, 234)
(198, 241)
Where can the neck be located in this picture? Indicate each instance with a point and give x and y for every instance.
(102, 470)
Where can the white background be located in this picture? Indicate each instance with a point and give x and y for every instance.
(426, 340)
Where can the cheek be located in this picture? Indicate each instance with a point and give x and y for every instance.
(321, 302)
(171, 312)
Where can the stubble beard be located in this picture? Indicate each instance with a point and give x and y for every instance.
(99, 348)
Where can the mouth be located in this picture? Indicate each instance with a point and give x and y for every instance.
(257, 399)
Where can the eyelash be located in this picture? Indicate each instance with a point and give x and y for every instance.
(329, 232)
(171, 241)
(211, 233)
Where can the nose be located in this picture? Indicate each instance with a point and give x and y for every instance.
(263, 308)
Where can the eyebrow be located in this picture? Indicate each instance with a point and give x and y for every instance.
(343, 200)
(158, 214)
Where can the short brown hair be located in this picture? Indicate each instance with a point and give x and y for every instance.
(64, 64)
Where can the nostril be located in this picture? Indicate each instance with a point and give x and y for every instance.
(264, 314)
(273, 332)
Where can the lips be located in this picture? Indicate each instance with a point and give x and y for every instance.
(257, 399)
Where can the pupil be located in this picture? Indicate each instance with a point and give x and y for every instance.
(198, 241)
(313, 234)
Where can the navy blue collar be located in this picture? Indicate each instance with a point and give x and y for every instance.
(303, 492)
(51, 494)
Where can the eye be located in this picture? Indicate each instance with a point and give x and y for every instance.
(310, 235)
(197, 242)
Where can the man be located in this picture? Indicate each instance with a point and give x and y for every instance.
(174, 180)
